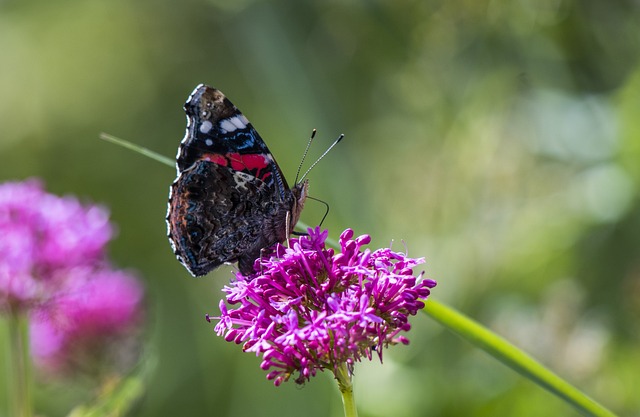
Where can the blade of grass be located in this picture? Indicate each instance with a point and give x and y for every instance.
(139, 149)
(513, 357)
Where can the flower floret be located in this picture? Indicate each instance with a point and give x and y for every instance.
(311, 308)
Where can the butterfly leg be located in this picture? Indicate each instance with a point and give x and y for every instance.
(288, 227)
(263, 252)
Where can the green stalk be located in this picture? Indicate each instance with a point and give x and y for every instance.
(513, 357)
(346, 389)
(139, 149)
(20, 383)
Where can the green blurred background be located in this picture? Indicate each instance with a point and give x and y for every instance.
(499, 139)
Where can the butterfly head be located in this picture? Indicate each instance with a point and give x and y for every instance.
(300, 192)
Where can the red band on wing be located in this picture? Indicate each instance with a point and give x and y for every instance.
(256, 164)
(216, 159)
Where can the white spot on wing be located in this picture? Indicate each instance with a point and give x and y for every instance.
(233, 123)
(227, 126)
(206, 126)
(242, 179)
(237, 122)
(209, 142)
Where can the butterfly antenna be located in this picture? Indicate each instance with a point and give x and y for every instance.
(304, 155)
(322, 156)
(326, 212)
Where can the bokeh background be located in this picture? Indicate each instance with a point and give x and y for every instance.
(498, 139)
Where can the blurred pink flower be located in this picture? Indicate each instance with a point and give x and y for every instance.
(79, 324)
(42, 236)
(53, 266)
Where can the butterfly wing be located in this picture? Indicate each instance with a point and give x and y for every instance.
(230, 198)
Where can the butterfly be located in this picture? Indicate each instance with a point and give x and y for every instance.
(230, 199)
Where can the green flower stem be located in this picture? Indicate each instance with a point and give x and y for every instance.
(346, 389)
(513, 357)
(20, 384)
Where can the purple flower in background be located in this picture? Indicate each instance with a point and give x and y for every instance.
(312, 309)
(54, 268)
(42, 236)
(83, 322)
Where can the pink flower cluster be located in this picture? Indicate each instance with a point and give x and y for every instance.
(88, 321)
(43, 236)
(53, 266)
(311, 308)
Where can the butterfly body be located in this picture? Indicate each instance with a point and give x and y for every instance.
(230, 199)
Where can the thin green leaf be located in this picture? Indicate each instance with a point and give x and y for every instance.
(139, 149)
(513, 357)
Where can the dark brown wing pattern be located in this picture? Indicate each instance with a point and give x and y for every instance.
(230, 199)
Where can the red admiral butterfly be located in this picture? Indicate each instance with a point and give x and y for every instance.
(230, 199)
